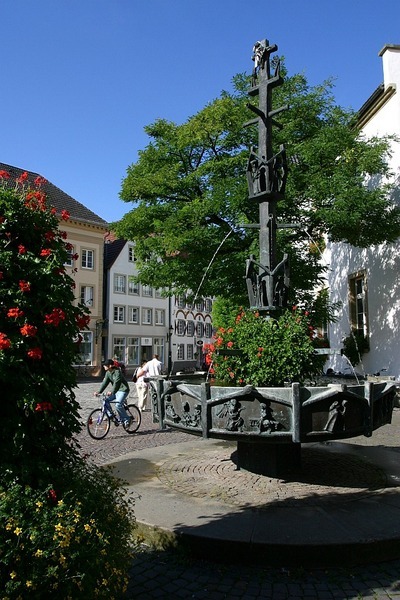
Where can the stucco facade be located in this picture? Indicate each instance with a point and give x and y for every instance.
(367, 281)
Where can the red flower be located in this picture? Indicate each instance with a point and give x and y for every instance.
(82, 321)
(35, 353)
(14, 313)
(4, 175)
(45, 252)
(65, 215)
(21, 249)
(49, 235)
(229, 344)
(22, 177)
(28, 330)
(53, 495)
(39, 181)
(54, 318)
(24, 286)
(5, 343)
(41, 406)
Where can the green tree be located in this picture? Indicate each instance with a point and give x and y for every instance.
(190, 194)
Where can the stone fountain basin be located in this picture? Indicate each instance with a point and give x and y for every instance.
(295, 414)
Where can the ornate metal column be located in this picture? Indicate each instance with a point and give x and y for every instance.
(267, 282)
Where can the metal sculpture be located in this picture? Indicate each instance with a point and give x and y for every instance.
(267, 282)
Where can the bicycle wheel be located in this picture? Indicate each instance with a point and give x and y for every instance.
(136, 418)
(98, 424)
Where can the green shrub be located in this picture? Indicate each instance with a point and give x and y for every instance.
(68, 540)
(266, 352)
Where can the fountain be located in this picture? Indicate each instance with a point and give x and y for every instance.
(269, 425)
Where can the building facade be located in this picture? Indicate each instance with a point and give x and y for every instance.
(141, 321)
(367, 281)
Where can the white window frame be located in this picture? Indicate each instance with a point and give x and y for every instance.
(133, 287)
(133, 350)
(147, 316)
(180, 352)
(119, 348)
(159, 318)
(131, 311)
(131, 254)
(147, 291)
(118, 313)
(87, 295)
(87, 259)
(119, 283)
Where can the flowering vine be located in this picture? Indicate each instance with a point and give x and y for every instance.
(38, 315)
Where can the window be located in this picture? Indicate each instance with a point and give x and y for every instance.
(180, 327)
(199, 329)
(208, 330)
(160, 316)
(190, 328)
(133, 350)
(87, 295)
(180, 302)
(85, 348)
(180, 352)
(133, 314)
(133, 287)
(119, 284)
(147, 291)
(147, 316)
(189, 352)
(87, 261)
(119, 348)
(158, 348)
(119, 314)
(200, 304)
(131, 254)
(158, 292)
(70, 260)
(208, 305)
(358, 303)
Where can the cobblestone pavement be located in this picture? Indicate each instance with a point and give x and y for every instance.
(171, 574)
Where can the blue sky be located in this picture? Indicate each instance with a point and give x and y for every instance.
(81, 78)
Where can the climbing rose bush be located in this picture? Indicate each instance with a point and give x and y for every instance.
(65, 525)
(266, 352)
(39, 326)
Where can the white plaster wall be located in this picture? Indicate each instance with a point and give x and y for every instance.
(381, 263)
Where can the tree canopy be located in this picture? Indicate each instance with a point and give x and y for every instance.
(190, 198)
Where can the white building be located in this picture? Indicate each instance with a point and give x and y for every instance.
(367, 281)
(140, 322)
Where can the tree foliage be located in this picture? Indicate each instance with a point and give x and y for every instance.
(190, 197)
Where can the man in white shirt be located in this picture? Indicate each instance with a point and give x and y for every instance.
(154, 366)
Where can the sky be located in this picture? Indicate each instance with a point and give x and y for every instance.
(82, 78)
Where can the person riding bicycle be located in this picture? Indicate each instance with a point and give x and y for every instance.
(120, 389)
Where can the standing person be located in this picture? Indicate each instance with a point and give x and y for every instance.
(154, 366)
(142, 386)
(119, 391)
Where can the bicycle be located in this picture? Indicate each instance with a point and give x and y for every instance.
(99, 420)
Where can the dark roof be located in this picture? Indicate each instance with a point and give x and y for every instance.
(112, 251)
(56, 197)
(371, 100)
